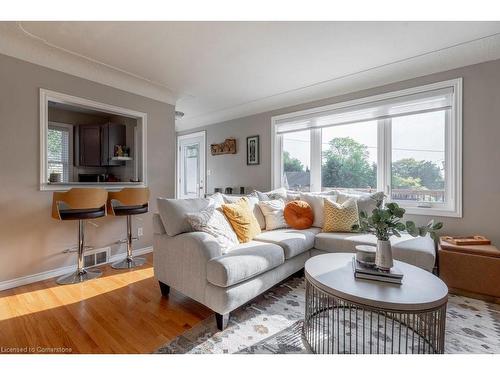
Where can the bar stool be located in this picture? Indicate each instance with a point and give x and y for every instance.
(128, 202)
(79, 204)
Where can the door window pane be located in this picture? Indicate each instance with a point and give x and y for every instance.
(191, 169)
(418, 157)
(349, 157)
(297, 160)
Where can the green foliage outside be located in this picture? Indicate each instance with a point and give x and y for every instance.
(54, 142)
(346, 164)
(416, 174)
(291, 164)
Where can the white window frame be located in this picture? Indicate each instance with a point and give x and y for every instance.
(453, 149)
(142, 120)
(69, 127)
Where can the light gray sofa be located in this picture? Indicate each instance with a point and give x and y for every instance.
(193, 264)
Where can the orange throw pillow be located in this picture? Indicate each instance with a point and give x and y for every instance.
(299, 215)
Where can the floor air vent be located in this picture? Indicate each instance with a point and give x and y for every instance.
(96, 257)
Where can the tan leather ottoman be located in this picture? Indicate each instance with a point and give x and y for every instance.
(473, 270)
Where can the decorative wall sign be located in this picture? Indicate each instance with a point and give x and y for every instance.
(253, 150)
(226, 147)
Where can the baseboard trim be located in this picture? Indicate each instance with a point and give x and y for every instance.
(24, 280)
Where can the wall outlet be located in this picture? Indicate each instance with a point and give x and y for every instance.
(140, 233)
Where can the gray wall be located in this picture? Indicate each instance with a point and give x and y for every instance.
(231, 170)
(481, 154)
(30, 240)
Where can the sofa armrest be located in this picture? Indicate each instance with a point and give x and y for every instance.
(181, 261)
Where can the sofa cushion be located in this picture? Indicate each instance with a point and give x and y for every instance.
(213, 222)
(418, 251)
(173, 213)
(273, 212)
(279, 193)
(340, 217)
(366, 202)
(316, 201)
(298, 214)
(293, 241)
(244, 262)
(253, 201)
(242, 219)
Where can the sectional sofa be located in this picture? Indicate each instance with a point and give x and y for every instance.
(193, 263)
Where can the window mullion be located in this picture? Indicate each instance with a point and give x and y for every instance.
(315, 159)
(384, 156)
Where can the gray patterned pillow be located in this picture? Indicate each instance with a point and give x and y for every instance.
(213, 222)
(366, 202)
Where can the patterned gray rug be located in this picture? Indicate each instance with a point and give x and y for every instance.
(272, 323)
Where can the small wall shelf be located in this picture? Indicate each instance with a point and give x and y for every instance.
(121, 158)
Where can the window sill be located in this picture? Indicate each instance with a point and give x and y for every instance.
(431, 211)
(105, 185)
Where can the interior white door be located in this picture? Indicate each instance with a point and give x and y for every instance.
(191, 165)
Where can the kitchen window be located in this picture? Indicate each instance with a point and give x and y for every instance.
(407, 144)
(87, 143)
(59, 152)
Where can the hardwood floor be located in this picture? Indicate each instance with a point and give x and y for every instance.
(121, 312)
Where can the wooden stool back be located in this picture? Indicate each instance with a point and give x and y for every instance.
(79, 199)
(128, 197)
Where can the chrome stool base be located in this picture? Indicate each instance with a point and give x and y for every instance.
(128, 263)
(79, 277)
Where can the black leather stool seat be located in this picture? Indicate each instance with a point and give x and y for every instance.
(83, 214)
(130, 210)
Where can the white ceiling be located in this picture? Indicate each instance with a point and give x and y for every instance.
(215, 71)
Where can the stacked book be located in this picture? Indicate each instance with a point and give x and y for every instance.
(367, 272)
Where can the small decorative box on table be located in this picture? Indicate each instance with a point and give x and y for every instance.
(470, 269)
(348, 315)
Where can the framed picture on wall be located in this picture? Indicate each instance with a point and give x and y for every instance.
(253, 150)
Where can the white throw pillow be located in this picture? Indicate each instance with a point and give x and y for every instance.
(213, 222)
(217, 199)
(273, 213)
(317, 204)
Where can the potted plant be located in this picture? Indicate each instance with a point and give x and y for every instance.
(384, 222)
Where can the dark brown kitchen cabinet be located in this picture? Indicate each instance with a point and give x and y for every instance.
(111, 135)
(89, 145)
(97, 144)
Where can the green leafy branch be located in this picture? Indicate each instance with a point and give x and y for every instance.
(386, 221)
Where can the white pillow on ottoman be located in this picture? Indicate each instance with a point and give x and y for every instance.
(273, 211)
(213, 222)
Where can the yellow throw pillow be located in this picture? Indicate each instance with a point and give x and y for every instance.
(340, 217)
(242, 219)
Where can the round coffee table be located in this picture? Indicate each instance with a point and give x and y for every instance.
(348, 315)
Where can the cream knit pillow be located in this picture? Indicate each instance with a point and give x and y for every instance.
(340, 217)
(273, 211)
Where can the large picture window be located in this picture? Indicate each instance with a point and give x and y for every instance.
(406, 144)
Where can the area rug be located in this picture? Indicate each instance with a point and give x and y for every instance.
(272, 323)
